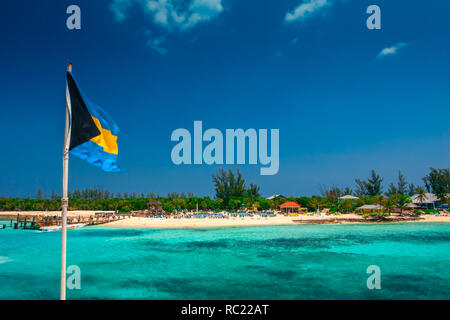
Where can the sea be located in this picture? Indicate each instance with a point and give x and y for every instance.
(411, 261)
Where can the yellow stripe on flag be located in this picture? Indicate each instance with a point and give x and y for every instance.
(106, 139)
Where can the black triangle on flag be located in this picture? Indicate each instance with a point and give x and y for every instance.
(83, 127)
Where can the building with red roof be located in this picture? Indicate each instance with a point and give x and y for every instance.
(290, 206)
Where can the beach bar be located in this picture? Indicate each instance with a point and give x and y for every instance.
(371, 209)
(290, 207)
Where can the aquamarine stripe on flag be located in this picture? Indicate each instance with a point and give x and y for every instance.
(94, 154)
(93, 132)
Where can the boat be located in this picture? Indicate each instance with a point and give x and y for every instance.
(57, 228)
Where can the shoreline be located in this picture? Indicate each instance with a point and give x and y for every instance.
(192, 223)
(170, 223)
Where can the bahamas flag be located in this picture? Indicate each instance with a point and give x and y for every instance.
(93, 134)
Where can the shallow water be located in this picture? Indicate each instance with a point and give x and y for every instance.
(271, 262)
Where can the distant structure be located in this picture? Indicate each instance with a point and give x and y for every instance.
(154, 207)
(276, 196)
(427, 199)
(371, 208)
(348, 197)
(290, 207)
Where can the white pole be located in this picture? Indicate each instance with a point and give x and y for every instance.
(65, 200)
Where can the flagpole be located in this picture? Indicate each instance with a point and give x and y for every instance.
(65, 199)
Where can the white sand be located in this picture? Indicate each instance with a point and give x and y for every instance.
(433, 218)
(138, 222)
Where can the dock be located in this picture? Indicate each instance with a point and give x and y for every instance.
(34, 222)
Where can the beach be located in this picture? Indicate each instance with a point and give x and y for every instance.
(141, 222)
(255, 220)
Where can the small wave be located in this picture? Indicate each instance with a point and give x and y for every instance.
(5, 260)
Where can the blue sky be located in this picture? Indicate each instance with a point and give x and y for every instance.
(346, 99)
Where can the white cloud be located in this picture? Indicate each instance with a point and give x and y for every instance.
(171, 14)
(307, 9)
(293, 41)
(120, 8)
(159, 9)
(156, 44)
(181, 14)
(390, 51)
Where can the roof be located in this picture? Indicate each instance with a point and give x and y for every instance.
(290, 204)
(275, 196)
(428, 198)
(348, 197)
(371, 206)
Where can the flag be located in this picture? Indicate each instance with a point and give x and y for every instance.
(93, 134)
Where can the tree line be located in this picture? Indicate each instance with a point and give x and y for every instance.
(233, 193)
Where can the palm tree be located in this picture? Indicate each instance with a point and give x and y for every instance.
(379, 199)
(347, 205)
(389, 205)
(421, 194)
(401, 201)
(315, 203)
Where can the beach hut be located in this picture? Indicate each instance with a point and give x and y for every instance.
(371, 209)
(290, 207)
(427, 199)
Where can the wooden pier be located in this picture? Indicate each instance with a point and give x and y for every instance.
(35, 221)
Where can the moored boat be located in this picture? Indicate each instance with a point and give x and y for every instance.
(57, 228)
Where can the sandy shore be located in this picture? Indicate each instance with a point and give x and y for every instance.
(137, 222)
(433, 218)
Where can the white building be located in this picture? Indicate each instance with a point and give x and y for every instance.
(428, 198)
(275, 196)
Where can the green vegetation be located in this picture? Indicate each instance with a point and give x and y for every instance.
(371, 187)
(438, 182)
(233, 194)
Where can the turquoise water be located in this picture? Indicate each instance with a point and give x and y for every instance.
(274, 262)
